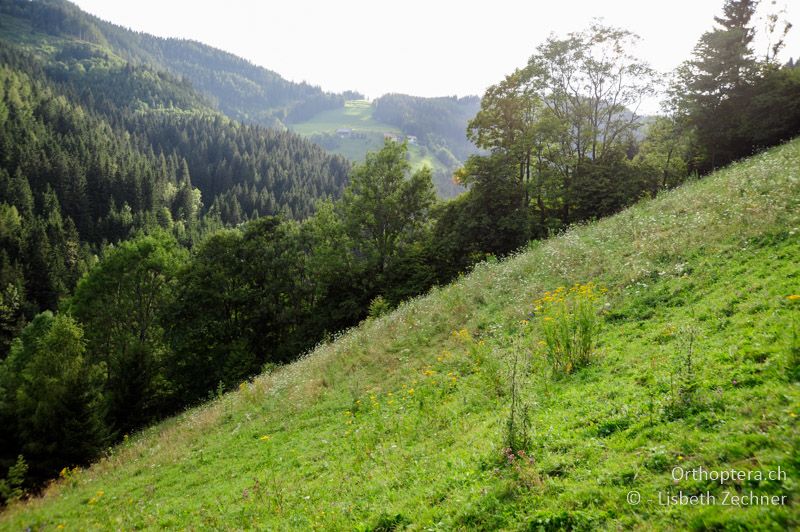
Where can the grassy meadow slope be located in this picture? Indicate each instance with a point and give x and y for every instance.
(368, 135)
(355, 115)
(400, 422)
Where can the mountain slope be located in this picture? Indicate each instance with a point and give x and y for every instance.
(166, 116)
(352, 131)
(399, 422)
(94, 149)
(241, 90)
(61, 34)
(442, 120)
(435, 127)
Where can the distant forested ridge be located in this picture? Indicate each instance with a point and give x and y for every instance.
(240, 89)
(93, 149)
(434, 127)
(439, 122)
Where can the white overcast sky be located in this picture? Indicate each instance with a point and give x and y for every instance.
(420, 47)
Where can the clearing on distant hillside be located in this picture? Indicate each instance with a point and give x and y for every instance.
(353, 131)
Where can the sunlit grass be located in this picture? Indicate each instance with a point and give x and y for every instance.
(400, 421)
(357, 116)
(354, 115)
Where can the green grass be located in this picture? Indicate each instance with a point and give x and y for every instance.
(399, 423)
(357, 115)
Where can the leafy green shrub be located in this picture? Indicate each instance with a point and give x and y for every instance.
(684, 383)
(378, 307)
(570, 322)
(11, 486)
(518, 426)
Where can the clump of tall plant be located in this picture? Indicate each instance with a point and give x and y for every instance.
(569, 321)
(518, 426)
(683, 381)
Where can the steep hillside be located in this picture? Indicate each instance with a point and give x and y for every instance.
(402, 421)
(241, 90)
(63, 36)
(440, 122)
(352, 131)
(159, 116)
(242, 170)
(434, 127)
(94, 149)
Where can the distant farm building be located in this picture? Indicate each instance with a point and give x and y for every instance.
(344, 132)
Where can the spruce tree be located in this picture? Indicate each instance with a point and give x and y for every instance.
(722, 65)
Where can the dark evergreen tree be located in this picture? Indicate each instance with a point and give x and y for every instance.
(732, 102)
(723, 64)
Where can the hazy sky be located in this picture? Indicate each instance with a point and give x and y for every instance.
(425, 48)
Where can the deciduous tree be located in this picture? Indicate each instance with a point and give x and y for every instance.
(384, 207)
